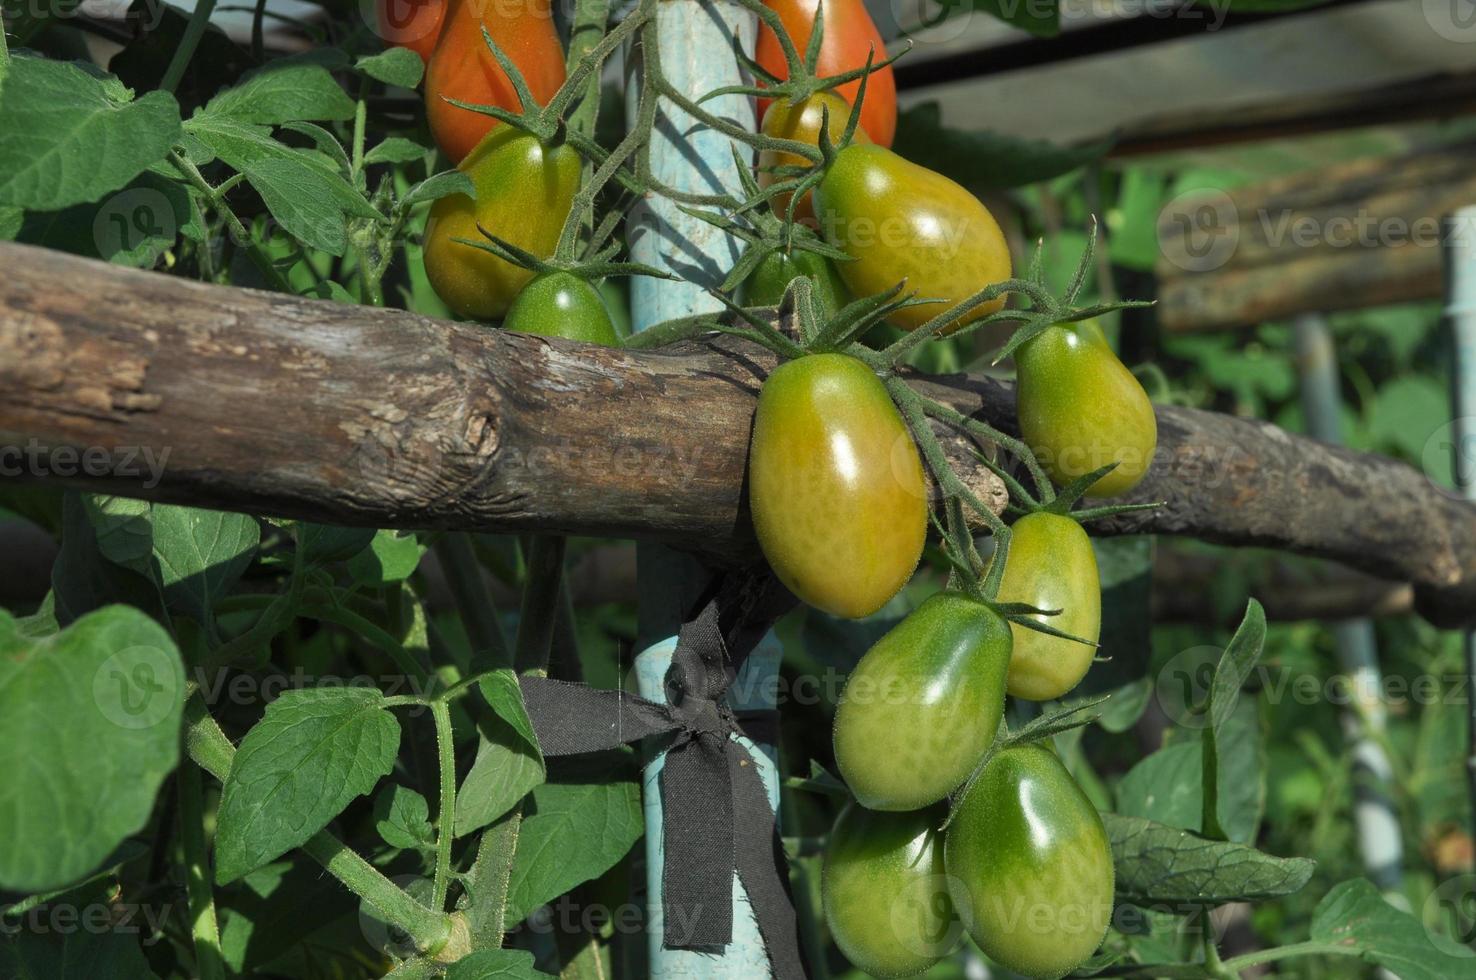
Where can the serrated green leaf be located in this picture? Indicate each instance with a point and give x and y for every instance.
(395, 66)
(125, 531)
(282, 92)
(985, 160)
(311, 755)
(504, 772)
(1223, 779)
(82, 579)
(500, 688)
(402, 818)
(571, 833)
(1159, 865)
(68, 137)
(437, 186)
(200, 554)
(496, 964)
(395, 149)
(89, 714)
(1355, 915)
(304, 192)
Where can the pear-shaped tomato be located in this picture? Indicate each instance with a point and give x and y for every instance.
(801, 123)
(884, 891)
(413, 24)
(524, 193)
(901, 222)
(462, 67)
(923, 705)
(836, 485)
(1029, 865)
(1052, 566)
(1080, 409)
(558, 304)
(765, 286)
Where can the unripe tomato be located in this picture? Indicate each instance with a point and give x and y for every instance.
(801, 123)
(884, 891)
(923, 705)
(462, 67)
(1029, 865)
(850, 37)
(765, 286)
(899, 221)
(836, 485)
(1080, 409)
(524, 193)
(562, 305)
(1052, 566)
(413, 24)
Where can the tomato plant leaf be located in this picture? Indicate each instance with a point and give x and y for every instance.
(437, 186)
(395, 149)
(86, 715)
(200, 554)
(504, 772)
(500, 688)
(1165, 865)
(323, 544)
(985, 160)
(402, 818)
(392, 556)
(1220, 782)
(68, 136)
(78, 953)
(83, 579)
(572, 833)
(311, 755)
(397, 66)
(281, 93)
(1355, 915)
(495, 964)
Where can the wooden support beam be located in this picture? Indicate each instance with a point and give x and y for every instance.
(277, 405)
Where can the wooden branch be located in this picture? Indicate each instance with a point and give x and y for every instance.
(275, 405)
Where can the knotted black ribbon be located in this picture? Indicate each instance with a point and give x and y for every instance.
(717, 816)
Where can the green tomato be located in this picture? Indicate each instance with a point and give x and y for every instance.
(836, 485)
(922, 706)
(1052, 566)
(558, 304)
(1080, 409)
(884, 891)
(765, 286)
(1029, 865)
(901, 222)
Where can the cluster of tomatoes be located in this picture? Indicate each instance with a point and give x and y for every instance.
(839, 491)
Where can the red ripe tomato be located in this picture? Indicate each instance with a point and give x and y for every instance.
(850, 37)
(413, 24)
(462, 67)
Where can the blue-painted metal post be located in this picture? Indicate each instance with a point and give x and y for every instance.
(1364, 721)
(696, 50)
(1460, 313)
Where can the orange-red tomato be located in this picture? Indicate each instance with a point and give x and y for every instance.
(462, 67)
(413, 24)
(850, 37)
(786, 121)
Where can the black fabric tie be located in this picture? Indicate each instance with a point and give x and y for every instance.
(717, 814)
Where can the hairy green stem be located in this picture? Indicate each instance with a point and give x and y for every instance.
(446, 756)
(194, 30)
(204, 929)
(216, 197)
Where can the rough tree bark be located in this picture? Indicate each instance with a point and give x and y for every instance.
(276, 405)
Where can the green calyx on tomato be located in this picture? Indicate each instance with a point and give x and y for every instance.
(1051, 566)
(885, 893)
(1029, 864)
(561, 304)
(902, 223)
(524, 192)
(801, 122)
(923, 705)
(1080, 409)
(836, 486)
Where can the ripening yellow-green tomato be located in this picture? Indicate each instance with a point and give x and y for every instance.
(923, 705)
(1081, 409)
(899, 221)
(885, 893)
(1029, 865)
(524, 193)
(1051, 566)
(836, 485)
